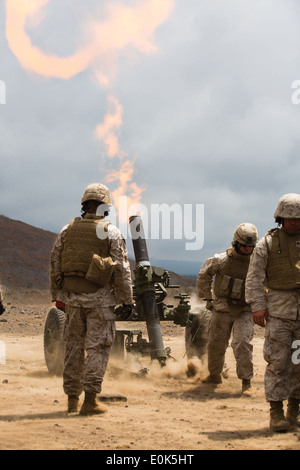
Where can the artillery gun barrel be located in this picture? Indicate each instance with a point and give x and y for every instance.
(145, 289)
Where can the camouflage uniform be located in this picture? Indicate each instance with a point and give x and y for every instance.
(90, 319)
(282, 377)
(224, 321)
(273, 291)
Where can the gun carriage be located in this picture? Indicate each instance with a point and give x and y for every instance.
(150, 290)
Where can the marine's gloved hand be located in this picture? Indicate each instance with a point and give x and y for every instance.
(60, 305)
(124, 312)
(2, 309)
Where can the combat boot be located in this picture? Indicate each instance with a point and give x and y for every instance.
(278, 422)
(247, 390)
(73, 404)
(91, 407)
(213, 379)
(293, 412)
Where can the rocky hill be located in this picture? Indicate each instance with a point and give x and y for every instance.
(25, 256)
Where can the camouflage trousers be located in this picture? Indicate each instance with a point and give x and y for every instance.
(221, 326)
(282, 376)
(89, 334)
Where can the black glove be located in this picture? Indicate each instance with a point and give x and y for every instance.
(125, 312)
(2, 309)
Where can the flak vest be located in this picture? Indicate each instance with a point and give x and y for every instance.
(230, 280)
(283, 268)
(81, 244)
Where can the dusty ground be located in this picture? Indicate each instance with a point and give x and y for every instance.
(164, 410)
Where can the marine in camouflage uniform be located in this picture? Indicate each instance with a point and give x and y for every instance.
(80, 250)
(222, 279)
(273, 291)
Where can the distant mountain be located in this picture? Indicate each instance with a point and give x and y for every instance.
(188, 269)
(25, 257)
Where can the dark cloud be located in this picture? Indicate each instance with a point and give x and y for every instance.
(208, 119)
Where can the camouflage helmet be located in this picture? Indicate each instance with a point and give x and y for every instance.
(288, 207)
(246, 234)
(97, 192)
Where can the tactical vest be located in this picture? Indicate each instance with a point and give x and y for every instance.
(230, 280)
(80, 245)
(283, 268)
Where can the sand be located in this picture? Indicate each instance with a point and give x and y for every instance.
(164, 409)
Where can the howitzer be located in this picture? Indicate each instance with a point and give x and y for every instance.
(144, 285)
(150, 289)
(2, 308)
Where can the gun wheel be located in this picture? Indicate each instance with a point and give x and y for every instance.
(196, 335)
(54, 349)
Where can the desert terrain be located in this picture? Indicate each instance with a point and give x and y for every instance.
(164, 410)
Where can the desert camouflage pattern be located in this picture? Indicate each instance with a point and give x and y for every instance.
(284, 304)
(282, 377)
(117, 293)
(246, 234)
(205, 281)
(223, 324)
(91, 330)
(288, 207)
(221, 327)
(90, 319)
(97, 192)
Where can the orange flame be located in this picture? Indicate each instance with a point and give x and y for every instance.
(123, 26)
(112, 123)
(107, 132)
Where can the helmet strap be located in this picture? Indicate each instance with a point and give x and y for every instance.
(89, 207)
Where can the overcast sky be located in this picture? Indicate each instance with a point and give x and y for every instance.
(209, 114)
